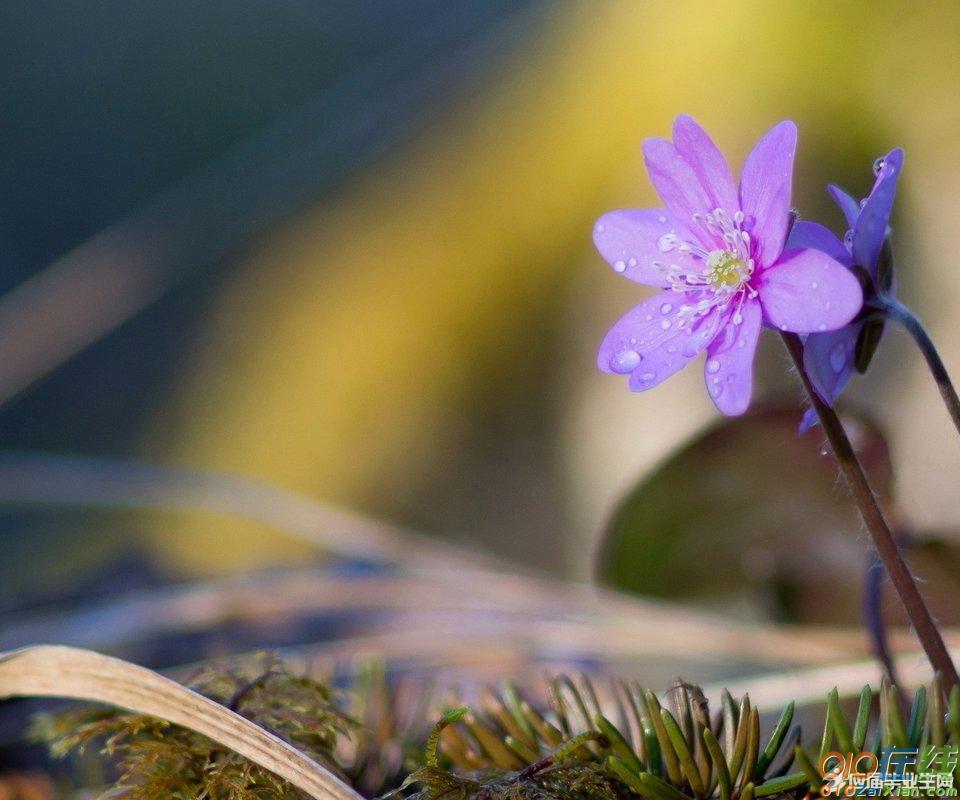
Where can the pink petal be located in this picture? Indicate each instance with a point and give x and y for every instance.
(648, 343)
(828, 358)
(708, 163)
(765, 186)
(812, 234)
(806, 291)
(728, 370)
(629, 240)
(677, 184)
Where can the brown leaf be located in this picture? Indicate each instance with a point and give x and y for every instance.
(51, 671)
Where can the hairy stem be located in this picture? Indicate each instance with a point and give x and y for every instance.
(866, 501)
(876, 626)
(894, 309)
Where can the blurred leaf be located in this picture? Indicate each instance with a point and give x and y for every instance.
(748, 504)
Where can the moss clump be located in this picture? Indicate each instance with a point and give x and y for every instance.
(156, 760)
(561, 782)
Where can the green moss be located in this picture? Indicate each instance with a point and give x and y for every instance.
(156, 760)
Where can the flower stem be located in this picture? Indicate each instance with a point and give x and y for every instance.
(866, 501)
(894, 309)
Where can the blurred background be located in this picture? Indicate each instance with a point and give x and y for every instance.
(343, 249)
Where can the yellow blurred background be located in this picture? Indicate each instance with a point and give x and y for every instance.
(420, 344)
(412, 335)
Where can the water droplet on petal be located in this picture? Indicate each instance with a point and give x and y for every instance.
(838, 357)
(713, 366)
(662, 219)
(742, 343)
(814, 285)
(848, 240)
(648, 317)
(878, 165)
(824, 451)
(666, 308)
(619, 266)
(625, 361)
(665, 324)
(631, 262)
(648, 376)
(821, 327)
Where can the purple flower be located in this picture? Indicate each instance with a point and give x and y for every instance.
(830, 359)
(718, 255)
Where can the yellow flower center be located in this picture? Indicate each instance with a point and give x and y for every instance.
(726, 271)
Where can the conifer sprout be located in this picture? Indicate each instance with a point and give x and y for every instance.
(631, 743)
(676, 751)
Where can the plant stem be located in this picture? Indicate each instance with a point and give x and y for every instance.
(876, 626)
(866, 501)
(894, 309)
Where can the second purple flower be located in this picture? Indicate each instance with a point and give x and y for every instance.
(717, 252)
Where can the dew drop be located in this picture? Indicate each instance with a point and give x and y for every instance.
(742, 343)
(814, 285)
(619, 266)
(824, 451)
(713, 366)
(648, 317)
(821, 327)
(848, 240)
(648, 376)
(662, 219)
(666, 308)
(838, 357)
(878, 165)
(631, 262)
(665, 324)
(624, 361)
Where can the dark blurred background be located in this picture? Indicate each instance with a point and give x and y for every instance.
(344, 248)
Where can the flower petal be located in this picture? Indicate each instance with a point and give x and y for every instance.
(809, 419)
(629, 240)
(728, 370)
(849, 206)
(814, 235)
(828, 359)
(677, 184)
(765, 187)
(648, 342)
(707, 162)
(806, 291)
(871, 228)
